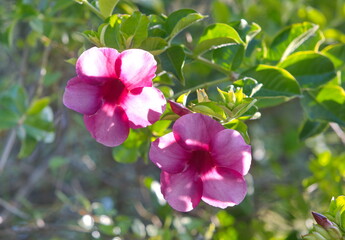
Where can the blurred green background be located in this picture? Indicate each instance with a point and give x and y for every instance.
(57, 183)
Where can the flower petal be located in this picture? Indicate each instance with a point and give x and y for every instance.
(194, 131)
(136, 68)
(82, 97)
(143, 106)
(182, 190)
(228, 149)
(97, 64)
(223, 187)
(109, 126)
(169, 155)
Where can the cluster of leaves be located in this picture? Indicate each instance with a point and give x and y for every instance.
(297, 63)
(331, 226)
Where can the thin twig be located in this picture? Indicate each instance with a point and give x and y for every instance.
(8, 148)
(12, 209)
(337, 129)
(208, 63)
(92, 8)
(43, 71)
(203, 85)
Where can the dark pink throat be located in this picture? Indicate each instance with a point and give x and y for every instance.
(113, 91)
(201, 161)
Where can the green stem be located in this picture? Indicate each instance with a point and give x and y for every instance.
(203, 85)
(209, 63)
(92, 8)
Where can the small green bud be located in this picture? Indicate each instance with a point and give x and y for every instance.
(202, 96)
(318, 236)
(334, 232)
(323, 232)
(309, 237)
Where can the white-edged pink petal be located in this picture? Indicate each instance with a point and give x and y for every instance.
(223, 187)
(136, 68)
(97, 64)
(194, 131)
(82, 97)
(168, 155)
(109, 126)
(228, 149)
(181, 190)
(143, 106)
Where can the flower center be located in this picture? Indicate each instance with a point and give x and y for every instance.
(113, 91)
(201, 161)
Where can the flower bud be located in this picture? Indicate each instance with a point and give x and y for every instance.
(178, 108)
(322, 220)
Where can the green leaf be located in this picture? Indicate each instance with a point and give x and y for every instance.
(325, 104)
(220, 11)
(132, 148)
(246, 31)
(276, 81)
(215, 36)
(110, 35)
(125, 155)
(336, 53)
(312, 128)
(155, 45)
(40, 125)
(209, 108)
(135, 29)
(310, 69)
(107, 7)
(181, 19)
(28, 145)
(9, 118)
(229, 57)
(7, 36)
(297, 37)
(157, 26)
(249, 85)
(38, 105)
(173, 60)
(160, 127)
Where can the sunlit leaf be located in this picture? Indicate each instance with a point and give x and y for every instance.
(215, 36)
(310, 69)
(209, 108)
(229, 57)
(38, 105)
(135, 29)
(276, 81)
(181, 19)
(336, 53)
(155, 45)
(107, 6)
(297, 37)
(325, 104)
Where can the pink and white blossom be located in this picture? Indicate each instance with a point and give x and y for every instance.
(114, 92)
(201, 160)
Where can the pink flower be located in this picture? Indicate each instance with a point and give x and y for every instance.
(114, 92)
(201, 160)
